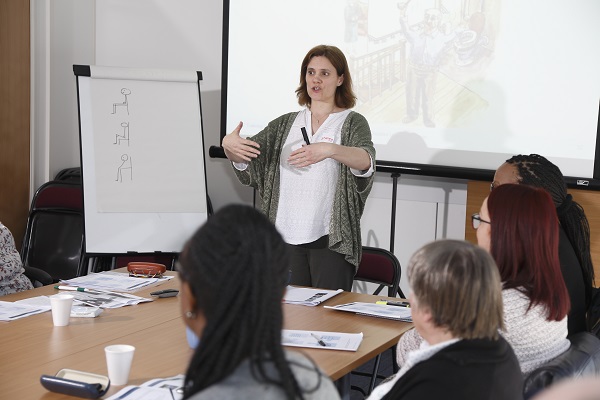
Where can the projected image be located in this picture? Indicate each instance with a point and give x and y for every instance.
(412, 59)
(464, 83)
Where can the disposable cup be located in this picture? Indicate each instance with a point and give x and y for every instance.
(61, 309)
(118, 362)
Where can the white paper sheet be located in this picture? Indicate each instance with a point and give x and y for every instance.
(155, 389)
(10, 311)
(113, 281)
(308, 296)
(376, 310)
(312, 339)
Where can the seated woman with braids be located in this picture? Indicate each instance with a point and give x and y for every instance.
(233, 272)
(574, 232)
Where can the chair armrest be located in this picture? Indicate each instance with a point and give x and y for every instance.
(38, 275)
(581, 359)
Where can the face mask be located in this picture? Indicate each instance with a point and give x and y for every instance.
(192, 339)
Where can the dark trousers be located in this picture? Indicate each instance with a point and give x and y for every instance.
(320, 267)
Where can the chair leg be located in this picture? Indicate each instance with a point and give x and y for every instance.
(374, 377)
(395, 366)
(400, 293)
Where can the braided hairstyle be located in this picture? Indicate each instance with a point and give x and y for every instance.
(237, 267)
(535, 170)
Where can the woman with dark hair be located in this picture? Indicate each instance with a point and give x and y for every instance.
(574, 232)
(463, 356)
(517, 224)
(313, 170)
(233, 272)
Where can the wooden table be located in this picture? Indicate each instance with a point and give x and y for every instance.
(32, 346)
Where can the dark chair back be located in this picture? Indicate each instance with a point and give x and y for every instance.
(382, 267)
(581, 359)
(378, 266)
(54, 235)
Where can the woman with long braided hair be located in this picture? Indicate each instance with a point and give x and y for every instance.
(574, 235)
(234, 271)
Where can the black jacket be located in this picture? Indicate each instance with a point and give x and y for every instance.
(576, 286)
(466, 370)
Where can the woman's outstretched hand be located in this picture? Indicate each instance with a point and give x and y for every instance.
(238, 149)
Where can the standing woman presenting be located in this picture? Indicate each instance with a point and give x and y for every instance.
(313, 187)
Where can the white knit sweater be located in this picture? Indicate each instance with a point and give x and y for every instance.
(534, 339)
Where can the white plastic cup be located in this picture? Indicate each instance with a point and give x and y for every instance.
(61, 309)
(118, 362)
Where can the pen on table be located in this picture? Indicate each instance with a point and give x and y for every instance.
(319, 340)
(73, 288)
(86, 303)
(23, 314)
(394, 303)
(305, 135)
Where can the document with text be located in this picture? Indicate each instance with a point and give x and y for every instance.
(376, 310)
(308, 296)
(112, 281)
(321, 340)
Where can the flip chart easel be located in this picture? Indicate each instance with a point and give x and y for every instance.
(142, 158)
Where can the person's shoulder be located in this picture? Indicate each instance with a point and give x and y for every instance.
(6, 238)
(514, 297)
(466, 369)
(356, 116)
(284, 118)
(301, 364)
(310, 378)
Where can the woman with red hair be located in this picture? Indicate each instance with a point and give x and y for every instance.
(518, 225)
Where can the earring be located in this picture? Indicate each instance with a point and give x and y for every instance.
(190, 315)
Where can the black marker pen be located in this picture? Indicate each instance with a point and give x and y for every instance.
(393, 303)
(305, 135)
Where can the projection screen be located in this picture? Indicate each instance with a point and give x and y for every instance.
(462, 84)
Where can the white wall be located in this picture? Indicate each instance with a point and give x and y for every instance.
(186, 34)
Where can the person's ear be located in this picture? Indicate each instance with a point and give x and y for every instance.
(340, 80)
(187, 298)
(427, 315)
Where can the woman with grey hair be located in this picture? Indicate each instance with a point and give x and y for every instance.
(462, 356)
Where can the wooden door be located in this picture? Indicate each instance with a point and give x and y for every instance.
(14, 115)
